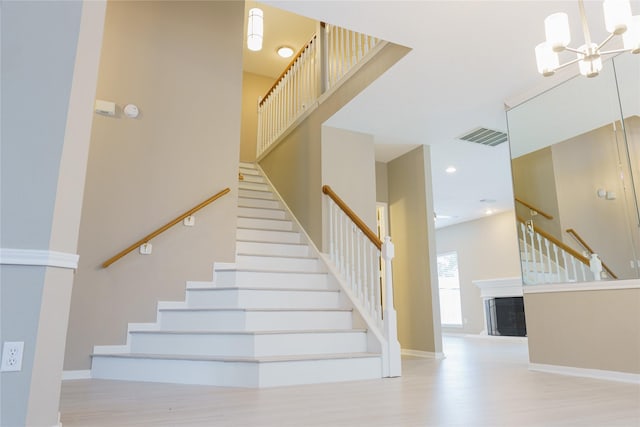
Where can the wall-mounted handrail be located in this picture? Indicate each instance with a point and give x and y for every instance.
(353, 216)
(584, 244)
(164, 228)
(533, 208)
(583, 259)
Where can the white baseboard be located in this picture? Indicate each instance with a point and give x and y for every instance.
(484, 335)
(598, 374)
(76, 375)
(423, 354)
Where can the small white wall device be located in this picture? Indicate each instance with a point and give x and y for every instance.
(131, 111)
(106, 108)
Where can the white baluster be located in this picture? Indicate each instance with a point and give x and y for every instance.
(539, 249)
(575, 271)
(566, 265)
(548, 275)
(555, 253)
(523, 230)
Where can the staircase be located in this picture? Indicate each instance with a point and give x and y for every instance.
(276, 317)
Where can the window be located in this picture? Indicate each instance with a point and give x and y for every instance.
(449, 286)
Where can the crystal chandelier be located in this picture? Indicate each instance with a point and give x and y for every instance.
(618, 22)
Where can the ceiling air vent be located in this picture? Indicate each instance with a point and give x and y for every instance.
(485, 137)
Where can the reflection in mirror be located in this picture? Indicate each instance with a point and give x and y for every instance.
(575, 164)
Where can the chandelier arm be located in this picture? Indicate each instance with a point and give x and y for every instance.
(570, 49)
(605, 41)
(611, 52)
(566, 64)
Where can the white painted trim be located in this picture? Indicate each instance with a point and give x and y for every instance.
(499, 288)
(76, 375)
(602, 285)
(598, 374)
(38, 257)
(484, 335)
(422, 354)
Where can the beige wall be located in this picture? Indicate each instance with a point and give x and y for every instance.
(294, 165)
(348, 167)
(582, 165)
(169, 59)
(382, 190)
(253, 87)
(585, 329)
(415, 276)
(487, 249)
(534, 182)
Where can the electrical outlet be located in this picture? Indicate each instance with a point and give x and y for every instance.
(12, 356)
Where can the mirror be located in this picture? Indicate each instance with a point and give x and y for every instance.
(575, 153)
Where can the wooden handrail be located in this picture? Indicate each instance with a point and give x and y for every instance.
(164, 228)
(583, 259)
(281, 76)
(533, 208)
(584, 244)
(355, 218)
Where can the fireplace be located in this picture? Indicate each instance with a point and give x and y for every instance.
(505, 317)
(503, 306)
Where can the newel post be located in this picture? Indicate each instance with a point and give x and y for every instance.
(595, 265)
(389, 313)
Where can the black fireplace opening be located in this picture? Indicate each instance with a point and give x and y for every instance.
(505, 317)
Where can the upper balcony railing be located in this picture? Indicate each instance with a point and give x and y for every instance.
(318, 67)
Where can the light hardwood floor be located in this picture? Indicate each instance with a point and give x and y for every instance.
(482, 382)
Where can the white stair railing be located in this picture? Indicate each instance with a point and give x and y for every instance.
(547, 260)
(317, 67)
(357, 252)
(345, 49)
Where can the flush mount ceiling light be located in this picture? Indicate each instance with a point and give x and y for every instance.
(450, 169)
(255, 29)
(285, 51)
(618, 21)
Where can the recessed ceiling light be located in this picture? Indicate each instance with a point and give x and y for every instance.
(488, 211)
(285, 51)
(450, 169)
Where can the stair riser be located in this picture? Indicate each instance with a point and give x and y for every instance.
(212, 373)
(237, 374)
(180, 320)
(232, 298)
(252, 178)
(268, 236)
(262, 213)
(262, 248)
(267, 224)
(230, 345)
(271, 279)
(266, 195)
(258, 203)
(247, 185)
(268, 263)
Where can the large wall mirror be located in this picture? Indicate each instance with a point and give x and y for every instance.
(575, 153)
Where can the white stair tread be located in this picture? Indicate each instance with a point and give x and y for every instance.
(265, 242)
(278, 256)
(259, 310)
(256, 288)
(261, 359)
(240, 332)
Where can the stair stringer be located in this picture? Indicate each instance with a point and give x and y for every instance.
(376, 341)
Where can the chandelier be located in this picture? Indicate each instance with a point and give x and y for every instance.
(618, 22)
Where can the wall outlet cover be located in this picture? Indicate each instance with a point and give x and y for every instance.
(12, 356)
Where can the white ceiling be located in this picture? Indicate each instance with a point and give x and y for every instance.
(468, 57)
